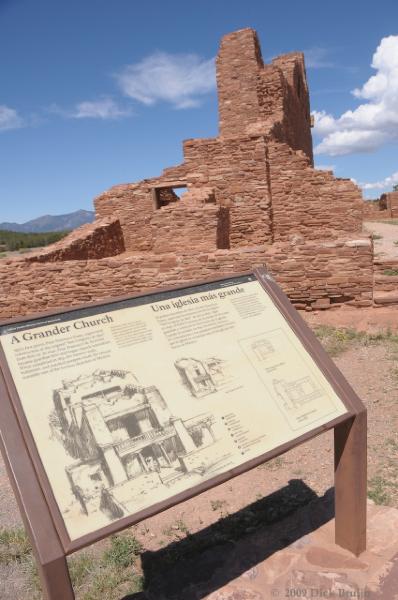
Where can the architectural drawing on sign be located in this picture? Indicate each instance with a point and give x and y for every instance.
(203, 377)
(262, 349)
(125, 440)
(293, 394)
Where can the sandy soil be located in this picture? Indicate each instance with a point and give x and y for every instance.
(384, 247)
(371, 319)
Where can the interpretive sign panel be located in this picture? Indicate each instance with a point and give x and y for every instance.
(130, 406)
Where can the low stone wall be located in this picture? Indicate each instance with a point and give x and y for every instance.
(386, 207)
(387, 264)
(389, 202)
(100, 239)
(313, 274)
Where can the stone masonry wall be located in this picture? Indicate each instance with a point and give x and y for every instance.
(373, 210)
(386, 207)
(238, 63)
(309, 202)
(312, 274)
(236, 170)
(255, 98)
(296, 117)
(389, 202)
(100, 239)
(134, 204)
(178, 228)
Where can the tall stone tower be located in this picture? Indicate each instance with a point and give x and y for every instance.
(263, 99)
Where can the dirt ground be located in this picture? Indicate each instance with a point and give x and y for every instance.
(385, 234)
(371, 319)
(373, 373)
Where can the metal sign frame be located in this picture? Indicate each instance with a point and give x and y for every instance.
(41, 515)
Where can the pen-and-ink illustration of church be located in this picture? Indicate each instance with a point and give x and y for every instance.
(203, 377)
(125, 441)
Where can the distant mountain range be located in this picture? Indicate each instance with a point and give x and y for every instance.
(52, 222)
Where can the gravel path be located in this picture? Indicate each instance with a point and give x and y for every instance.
(384, 247)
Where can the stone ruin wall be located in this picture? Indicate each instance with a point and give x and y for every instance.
(386, 207)
(255, 98)
(253, 198)
(315, 274)
(94, 240)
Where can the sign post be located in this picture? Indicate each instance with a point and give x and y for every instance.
(115, 411)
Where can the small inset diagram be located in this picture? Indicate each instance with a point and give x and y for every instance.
(203, 377)
(262, 349)
(294, 394)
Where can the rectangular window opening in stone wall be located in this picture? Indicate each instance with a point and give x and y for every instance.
(166, 195)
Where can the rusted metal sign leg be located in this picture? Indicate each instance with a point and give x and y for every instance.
(350, 453)
(55, 580)
(47, 547)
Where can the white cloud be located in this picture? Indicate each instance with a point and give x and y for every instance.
(375, 121)
(325, 167)
(315, 58)
(105, 109)
(179, 79)
(388, 182)
(99, 109)
(9, 118)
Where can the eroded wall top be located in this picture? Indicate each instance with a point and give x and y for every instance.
(262, 99)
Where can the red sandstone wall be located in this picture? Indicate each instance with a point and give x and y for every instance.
(310, 202)
(312, 273)
(238, 63)
(254, 97)
(95, 240)
(236, 170)
(178, 227)
(372, 209)
(244, 174)
(389, 201)
(385, 283)
(296, 121)
(132, 204)
(384, 208)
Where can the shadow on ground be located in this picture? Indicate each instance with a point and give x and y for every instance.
(205, 561)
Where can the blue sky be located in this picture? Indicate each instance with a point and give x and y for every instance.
(95, 93)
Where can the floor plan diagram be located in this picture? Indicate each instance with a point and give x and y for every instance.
(287, 378)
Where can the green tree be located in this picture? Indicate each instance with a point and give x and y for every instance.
(12, 240)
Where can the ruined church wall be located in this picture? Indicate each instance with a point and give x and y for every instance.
(100, 239)
(238, 63)
(314, 273)
(373, 210)
(236, 170)
(389, 202)
(132, 204)
(296, 116)
(309, 202)
(259, 99)
(177, 227)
